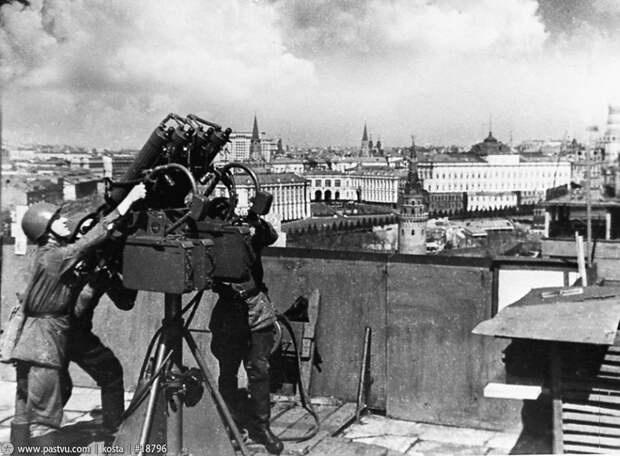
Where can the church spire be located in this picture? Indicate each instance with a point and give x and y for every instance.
(255, 148)
(365, 147)
(255, 136)
(412, 175)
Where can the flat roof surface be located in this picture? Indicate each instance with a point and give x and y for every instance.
(566, 200)
(591, 317)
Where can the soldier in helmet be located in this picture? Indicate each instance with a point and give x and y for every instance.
(242, 328)
(40, 353)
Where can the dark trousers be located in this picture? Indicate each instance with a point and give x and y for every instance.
(39, 397)
(231, 348)
(98, 361)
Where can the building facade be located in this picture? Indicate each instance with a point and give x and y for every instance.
(494, 181)
(287, 165)
(325, 185)
(445, 204)
(291, 194)
(248, 146)
(93, 163)
(611, 139)
(377, 185)
(364, 185)
(116, 164)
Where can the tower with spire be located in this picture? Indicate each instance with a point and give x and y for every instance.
(412, 210)
(365, 147)
(255, 147)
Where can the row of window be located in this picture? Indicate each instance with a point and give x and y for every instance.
(328, 183)
(483, 175)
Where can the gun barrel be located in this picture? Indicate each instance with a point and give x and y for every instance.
(145, 159)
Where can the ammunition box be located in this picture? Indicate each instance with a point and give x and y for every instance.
(167, 265)
(232, 255)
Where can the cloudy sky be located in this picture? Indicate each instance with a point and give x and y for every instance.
(102, 73)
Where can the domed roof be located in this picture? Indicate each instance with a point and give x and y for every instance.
(490, 146)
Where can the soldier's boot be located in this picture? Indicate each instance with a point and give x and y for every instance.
(259, 430)
(20, 437)
(113, 406)
(44, 437)
(235, 399)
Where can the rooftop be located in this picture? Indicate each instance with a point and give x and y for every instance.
(490, 146)
(270, 178)
(374, 435)
(580, 201)
(454, 158)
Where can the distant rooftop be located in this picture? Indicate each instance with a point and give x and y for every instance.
(454, 158)
(580, 201)
(324, 172)
(490, 146)
(270, 178)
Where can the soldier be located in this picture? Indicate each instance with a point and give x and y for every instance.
(87, 350)
(41, 351)
(242, 330)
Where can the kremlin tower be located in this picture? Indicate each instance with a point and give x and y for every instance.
(412, 212)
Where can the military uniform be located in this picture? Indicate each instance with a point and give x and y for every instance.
(242, 331)
(41, 351)
(87, 350)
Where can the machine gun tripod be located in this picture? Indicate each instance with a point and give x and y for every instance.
(156, 412)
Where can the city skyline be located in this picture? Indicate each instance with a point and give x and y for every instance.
(103, 74)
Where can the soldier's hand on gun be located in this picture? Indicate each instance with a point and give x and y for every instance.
(136, 193)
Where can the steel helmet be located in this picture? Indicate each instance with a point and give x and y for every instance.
(37, 219)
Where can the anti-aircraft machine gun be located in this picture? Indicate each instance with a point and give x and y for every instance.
(169, 244)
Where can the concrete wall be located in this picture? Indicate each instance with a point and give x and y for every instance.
(436, 367)
(353, 296)
(425, 363)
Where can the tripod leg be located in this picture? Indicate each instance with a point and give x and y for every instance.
(148, 419)
(215, 392)
(173, 337)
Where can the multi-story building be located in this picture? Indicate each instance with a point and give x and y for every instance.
(611, 139)
(444, 204)
(248, 146)
(367, 185)
(291, 196)
(351, 163)
(343, 164)
(92, 162)
(492, 177)
(287, 165)
(326, 185)
(116, 164)
(21, 153)
(377, 185)
(240, 147)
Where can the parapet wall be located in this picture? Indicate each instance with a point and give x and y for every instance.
(425, 363)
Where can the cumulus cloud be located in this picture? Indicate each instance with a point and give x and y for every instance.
(103, 72)
(201, 55)
(380, 27)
